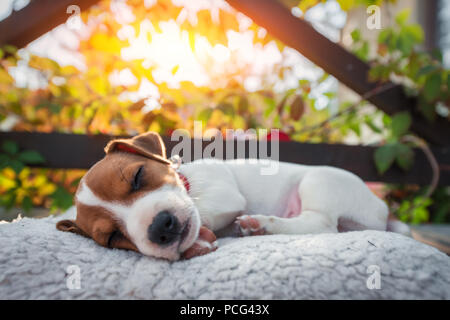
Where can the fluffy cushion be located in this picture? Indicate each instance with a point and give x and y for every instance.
(34, 261)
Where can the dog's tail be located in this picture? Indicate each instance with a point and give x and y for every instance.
(395, 225)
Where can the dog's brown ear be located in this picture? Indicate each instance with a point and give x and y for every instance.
(70, 226)
(148, 144)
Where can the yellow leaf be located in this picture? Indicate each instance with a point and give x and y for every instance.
(24, 173)
(9, 173)
(346, 4)
(47, 189)
(304, 5)
(6, 183)
(41, 63)
(175, 69)
(192, 40)
(39, 181)
(154, 127)
(101, 42)
(68, 70)
(20, 194)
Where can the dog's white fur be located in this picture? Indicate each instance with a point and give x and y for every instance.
(222, 191)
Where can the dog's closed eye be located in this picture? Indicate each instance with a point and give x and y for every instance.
(136, 182)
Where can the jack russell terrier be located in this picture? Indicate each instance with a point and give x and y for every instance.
(135, 199)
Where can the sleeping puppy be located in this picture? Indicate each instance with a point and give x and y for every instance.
(135, 199)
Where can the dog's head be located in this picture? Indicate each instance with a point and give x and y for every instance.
(133, 199)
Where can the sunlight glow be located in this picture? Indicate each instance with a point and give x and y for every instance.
(166, 51)
(201, 63)
(174, 56)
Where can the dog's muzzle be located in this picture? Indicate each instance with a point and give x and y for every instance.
(165, 229)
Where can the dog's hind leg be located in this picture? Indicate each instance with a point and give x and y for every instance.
(327, 195)
(307, 222)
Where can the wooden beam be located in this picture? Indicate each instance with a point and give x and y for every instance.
(337, 61)
(427, 16)
(436, 235)
(37, 18)
(72, 151)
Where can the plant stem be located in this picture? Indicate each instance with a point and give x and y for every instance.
(431, 159)
(377, 90)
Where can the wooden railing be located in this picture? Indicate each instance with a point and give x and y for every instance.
(71, 151)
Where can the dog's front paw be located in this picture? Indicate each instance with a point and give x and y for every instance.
(205, 243)
(249, 226)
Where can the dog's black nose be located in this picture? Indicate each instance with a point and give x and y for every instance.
(164, 229)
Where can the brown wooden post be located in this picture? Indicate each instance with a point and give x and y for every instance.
(37, 18)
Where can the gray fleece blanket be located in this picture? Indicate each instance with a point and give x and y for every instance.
(39, 262)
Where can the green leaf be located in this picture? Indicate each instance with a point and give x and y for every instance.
(330, 95)
(4, 160)
(379, 72)
(303, 83)
(426, 70)
(75, 182)
(270, 106)
(61, 199)
(55, 108)
(427, 109)
(356, 35)
(31, 157)
(400, 124)
(8, 200)
(384, 157)
(422, 202)
(355, 127)
(432, 87)
(384, 36)
(387, 120)
(10, 147)
(405, 157)
(368, 121)
(414, 32)
(420, 215)
(405, 44)
(403, 16)
(363, 51)
(16, 165)
(205, 114)
(27, 204)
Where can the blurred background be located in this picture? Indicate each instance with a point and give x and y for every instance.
(126, 67)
